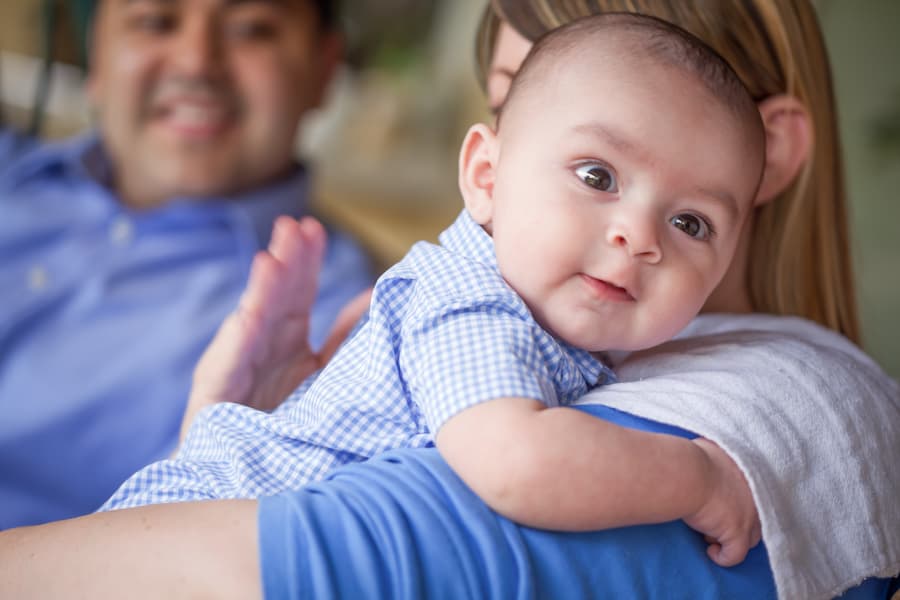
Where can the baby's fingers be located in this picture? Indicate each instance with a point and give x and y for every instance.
(729, 553)
(756, 534)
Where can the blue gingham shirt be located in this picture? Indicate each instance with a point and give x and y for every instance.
(104, 311)
(444, 332)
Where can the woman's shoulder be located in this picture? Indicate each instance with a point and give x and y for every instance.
(744, 346)
(714, 323)
(768, 329)
(771, 389)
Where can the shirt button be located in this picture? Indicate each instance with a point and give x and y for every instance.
(121, 232)
(38, 278)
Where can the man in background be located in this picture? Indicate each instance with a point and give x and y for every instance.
(122, 251)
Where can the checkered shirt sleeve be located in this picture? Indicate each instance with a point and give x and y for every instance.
(444, 333)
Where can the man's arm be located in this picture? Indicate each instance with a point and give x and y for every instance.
(559, 468)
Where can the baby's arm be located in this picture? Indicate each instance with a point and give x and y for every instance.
(558, 468)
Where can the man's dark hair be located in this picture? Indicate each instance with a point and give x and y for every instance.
(329, 10)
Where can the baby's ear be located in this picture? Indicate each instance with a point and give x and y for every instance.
(477, 160)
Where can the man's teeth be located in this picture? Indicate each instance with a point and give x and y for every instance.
(196, 116)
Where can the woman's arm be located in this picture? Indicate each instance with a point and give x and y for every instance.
(403, 525)
(562, 469)
(400, 525)
(187, 550)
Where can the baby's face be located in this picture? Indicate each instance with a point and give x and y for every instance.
(618, 199)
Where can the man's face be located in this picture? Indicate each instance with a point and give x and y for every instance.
(203, 97)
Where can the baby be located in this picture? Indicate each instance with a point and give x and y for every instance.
(600, 214)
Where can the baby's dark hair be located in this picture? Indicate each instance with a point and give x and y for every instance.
(644, 36)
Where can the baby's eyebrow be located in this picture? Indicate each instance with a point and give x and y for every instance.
(722, 196)
(609, 134)
(615, 137)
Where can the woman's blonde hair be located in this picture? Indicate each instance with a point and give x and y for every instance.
(799, 255)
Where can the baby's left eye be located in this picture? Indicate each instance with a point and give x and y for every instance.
(599, 177)
(693, 225)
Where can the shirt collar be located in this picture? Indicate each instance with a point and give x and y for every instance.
(54, 158)
(467, 237)
(289, 195)
(83, 157)
(593, 366)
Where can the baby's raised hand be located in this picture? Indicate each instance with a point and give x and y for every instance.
(728, 518)
(261, 352)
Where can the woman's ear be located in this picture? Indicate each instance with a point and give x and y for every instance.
(789, 140)
(477, 160)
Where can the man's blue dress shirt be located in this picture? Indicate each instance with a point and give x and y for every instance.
(104, 311)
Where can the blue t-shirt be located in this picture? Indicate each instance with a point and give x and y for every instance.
(444, 332)
(403, 525)
(104, 311)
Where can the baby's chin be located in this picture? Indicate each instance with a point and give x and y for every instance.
(606, 341)
(595, 332)
(585, 337)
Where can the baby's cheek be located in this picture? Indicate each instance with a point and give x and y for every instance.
(705, 271)
(688, 291)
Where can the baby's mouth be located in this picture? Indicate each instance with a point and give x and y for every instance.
(606, 290)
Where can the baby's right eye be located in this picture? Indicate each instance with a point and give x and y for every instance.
(598, 176)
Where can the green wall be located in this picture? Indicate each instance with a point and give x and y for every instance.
(863, 37)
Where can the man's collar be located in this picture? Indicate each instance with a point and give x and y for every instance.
(84, 158)
(44, 159)
(260, 207)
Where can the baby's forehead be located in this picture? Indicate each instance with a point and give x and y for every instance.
(634, 47)
(598, 76)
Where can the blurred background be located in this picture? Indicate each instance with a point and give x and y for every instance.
(385, 149)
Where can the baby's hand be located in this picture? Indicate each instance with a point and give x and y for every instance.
(261, 352)
(728, 518)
